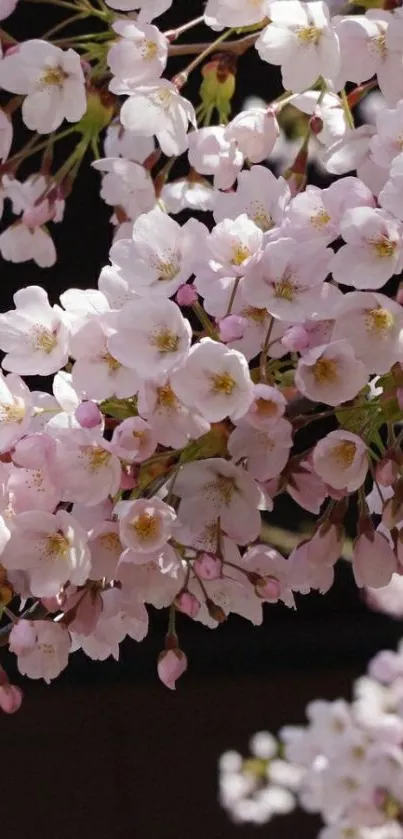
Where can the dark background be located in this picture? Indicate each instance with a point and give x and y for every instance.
(106, 752)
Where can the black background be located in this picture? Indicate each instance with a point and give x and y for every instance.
(107, 752)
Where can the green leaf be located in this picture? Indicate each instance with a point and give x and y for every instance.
(119, 408)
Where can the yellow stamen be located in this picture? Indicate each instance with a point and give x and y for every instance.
(44, 339)
(166, 397)
(344, 453)
(266, 408)
(285, 289)
(379, 320)
(320, 220)
(146, 526)
(112, 363)
(54, 77)
(239, 254)
(222, 383)
(12, 413)
(325, 371)
(165, 341)
(383, 247)
(56, 545)
(309, 35)
(97, 457)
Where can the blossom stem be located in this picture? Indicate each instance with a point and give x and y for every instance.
(172, 34)
(205, 321)
(63, 24)
(233, 295)
(265, 350)
(347, 109)
(29, 149)
(183, 76)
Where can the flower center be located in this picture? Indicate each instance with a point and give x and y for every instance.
(149, 50)
(325, 371)
(285, 289)
(14, 412)
(165, 341)
(320, 219)
(166, 397)
(145, 526)
(44, 339)
(309, 35)
(225, 488)
(112, 363)
(257, 315)
(47, 649)
(163, 98)
(239, 254)
(379, 320)
(378, 46)
(261, 217)
(383, 246)
(56, 545)
(97, 457)
(54, 77)
(168, 269)
(344, 453)
(222, 383)
(110, 541)
(266, 408)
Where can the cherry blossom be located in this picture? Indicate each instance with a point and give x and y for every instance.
(140, 55)
(164, 113)
(47, 655)
(51, 80)
(300, 39)
(373, 249)
(340, 459)
(33, 335)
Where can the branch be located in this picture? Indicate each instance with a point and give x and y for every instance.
(238, 47)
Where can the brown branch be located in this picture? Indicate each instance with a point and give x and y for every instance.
(238, 47)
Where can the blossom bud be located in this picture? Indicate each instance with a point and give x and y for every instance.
(171, 665)
(215, 611)
(88, 415)
(10, 698)
(399, 397)
(316, 124)
(207, 566)
(269, 588)
(232, 328)
(399, 295)
(188, 604)
(186, 295)
(218, 85)
(296, 338)
(387, 471)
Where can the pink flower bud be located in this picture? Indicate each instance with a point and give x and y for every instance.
(208, 567)
(38, 214)
(269, 588)
(10, 698)
(232, 328)
(387, 471)
(316, 124)
(295, 339)
(188, 604)
(186, 295)
(88, 414)
(399, 295)
(171, 665)
(127, 480)
(399, 394)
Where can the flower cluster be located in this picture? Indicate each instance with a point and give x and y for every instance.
(182, 385)
(346, 763)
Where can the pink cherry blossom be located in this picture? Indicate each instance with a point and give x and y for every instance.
(52, 81)
(300, 39)
(152, 337)
(33, 335)
(255, 131)
(215, 380)
(52, 548)
(139, 55)
(49, 656)
(340, 459)
(157, 109)
(373, 249)
(373, 560)
(330, 373)
(266, 451)
(145, 526)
